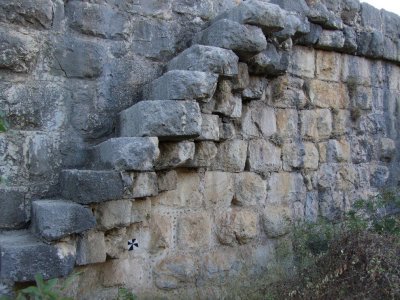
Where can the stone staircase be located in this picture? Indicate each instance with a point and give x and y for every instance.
(155, 134)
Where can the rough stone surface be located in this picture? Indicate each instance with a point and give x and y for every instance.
(231, 156)
(86, 186)
(143, 185)
(175, 154)
(167, 120)
(127, 154)
(194, 231)
(209, 128)
(250, 189)
(263, 157)
(206, 59)
(219, 189)
(91, 248)
(276, 221)
(15, 208)
(55, 219)
(270, 62)
(227, 102)
(167, 180)
(183, 85)
(205, 153)
(113, 214)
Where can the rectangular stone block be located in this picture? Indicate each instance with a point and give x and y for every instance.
(316, 124)
(227, 102)
(167, 180)
(287, 92)
(194, 231)
(287, 121)
(328, 66)
(263, 157)
(91, 248)
(204, 155)
(113, 214)
(302, 62)
(143, 185)
(258, 120)
(231, 156)
(325, 94)
(14, 207)
(209, 128)
(174, 154)
(167, 120)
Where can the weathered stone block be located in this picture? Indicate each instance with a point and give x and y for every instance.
(18, 51)
(328, 66)
(341, 122)
(324, 94)
(331, 40)
(267, 16)
(113, 214)
(270, 62)
(288, 92)
(286, 188)
(293, 156)
(287, 122)
(379, 176)
(227, 130)
(143, 185)
(250, 189)
(312, 37)
(218, 189)
(161, 232)
(300, 6)
(167, 181)
(206, 59)
(204, 155)
(194, 231)
(255, 89)
(209, 128)
(183, 85)
(14, 208)
(221, 264)
(127, 154)
(175, 154)
(361, 97)
(242, 80)
(258, 120)
(311, 157)
(263, 157)
(231, 156)
(167, 120)
(387, 149)
(302, 62)
(338, 151)
(244, 40)
(226, 102)
(86, 186)
(91, 248)
(277, 221)
(295, 27)
(17, 248)
(55, 219)
(99, 20)
(316, 124)
(370, 16)
(237, 225)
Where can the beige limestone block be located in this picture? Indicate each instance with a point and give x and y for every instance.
(311, 157)
(324, 94)
(91, 248)
(209, 128)
(316, 124)
(167, 181)
(328, 65)
(287, 92)
(302, 62)
(194, 231)
(277, 221)
(174, 154)
(264, 157)
(130, 273)
(286, 188)
(293, 155)
(220, 262)
(160, 232)
(341, 122)
(258, 120)
(113, 214)
(250, 189)
(218, 189)
(231, 156)
(143, 185)
(287, 122)
(204, 154)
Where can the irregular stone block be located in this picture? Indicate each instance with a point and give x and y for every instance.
(127, 154)
(316, 124)
(167, 181)
(320, 14)
(161, 230)
(206, 59)
(296, 26)
(350, 43)
(244, 40)
(379, 176)
(287, 121)
(97, 20)
(335, 151)
(312, 37)
(86, 186)
(218, 189)
(302, 62)
(325, 94)
(242, 80)
(371, 44)
(263, 157)
(387, 149)
(78, 59)
(231, 156)
(91, 248)
(287, 92)
(341, 122)
(143, 185)
(18, 51)
(209, 128)
(237, 225)
(175, 154)
(293, 156)
(14, 207)
(221, 264)
(227, 130)
(167, 120)
(55, 219)
(194, 231)
(311, 157)
(255, 90)
(286, 188)
(250, 189)
(258, 120)
(269, 62)
(35, 13)
(331, 40)
(226, 102)
(328, 66)
(113, 214)
(205, 153)
(17, 248)
(300, 6)
(370, 16)
(183, 85)
(277, 221)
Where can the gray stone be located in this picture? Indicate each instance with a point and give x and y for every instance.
(263, 157)
(387, 149)
(206, 59)
(379, 176)
(14, 207)
(293, 154)
(167, 181)
(227, 102)
(227, 130)
(288, 92)
(173, 155)
(113, 214)
(299, 6)
(270, 18)
(295, 26)
(97, 20)
(250, 189)
(244, 40)
(35, 13)
(391, 23)
(320, 14)
(371, 44)
(270, 62)
(167, 120)
(312, 37)
(258, 120)
(331, 40)
(277, 221)
(370, 16)
(255, 89)
(204, 154)
(231, 156)
(209, 128)
(242, 80)
(18, 51)
(91, 248)
(350, 43)
(86, 186)
(18, 248)
(183, 85)
(127, 154)
(143, 185)
(55, 219)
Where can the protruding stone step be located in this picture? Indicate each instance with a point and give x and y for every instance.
(166, 119)
(270, 62)
(127, 154)
(55, 219)
(87, 186)
(14, 208)
(22, 256)
(244, 40)
(183, 85)
(269, 17)
(206, 59)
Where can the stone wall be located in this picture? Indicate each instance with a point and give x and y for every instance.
(204, 131)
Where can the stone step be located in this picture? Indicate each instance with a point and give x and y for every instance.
(169, 120)
(244, 40)
(88, 186)
(14, 208)
(183, 85)
(22, 256)
(126, 154)
(206, 59)
(55, 219)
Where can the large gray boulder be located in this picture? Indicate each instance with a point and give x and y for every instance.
(244, 40)
(269, 17)
(14, 207)
(168, 120)
(22, 256)
(270, 62)
(206, 59)
(183, 85)
(55, 219)
(126, 154)
(87, 186)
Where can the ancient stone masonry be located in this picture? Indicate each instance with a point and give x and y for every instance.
(202, 130)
